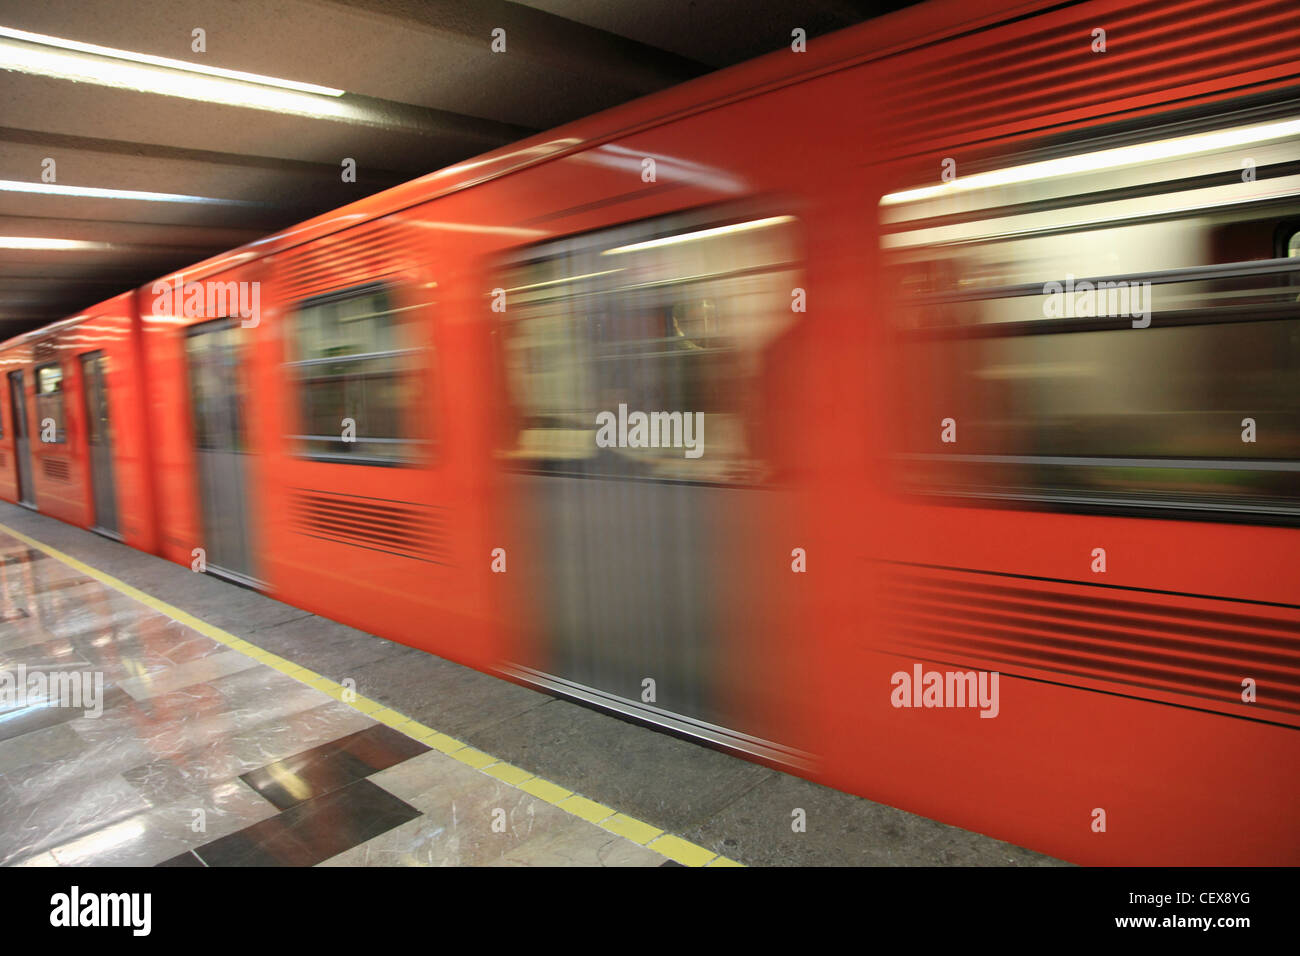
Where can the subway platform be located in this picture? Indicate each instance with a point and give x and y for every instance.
(219, 727)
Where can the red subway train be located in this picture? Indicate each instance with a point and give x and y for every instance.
(919, 413)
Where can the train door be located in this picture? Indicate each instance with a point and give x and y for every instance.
(221, 450)
(18, 403)
(99, 438)
(634, 357)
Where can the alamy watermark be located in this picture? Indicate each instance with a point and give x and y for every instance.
(132, 911)
(1086, 299)
(683, 430)
(946, 689)
(21, 689)
(209, 300)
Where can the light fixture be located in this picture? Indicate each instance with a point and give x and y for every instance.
(96, 192)
(167, 62)
(40, 242)
(87, 63)
(1102, 159)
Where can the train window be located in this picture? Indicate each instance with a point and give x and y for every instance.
(1290, 244)
(49, 403)
(355, 376)
(1093, 354)
(636, 351)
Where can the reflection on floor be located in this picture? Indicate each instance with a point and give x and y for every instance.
(194, 754)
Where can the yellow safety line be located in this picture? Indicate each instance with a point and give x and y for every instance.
(630, 828)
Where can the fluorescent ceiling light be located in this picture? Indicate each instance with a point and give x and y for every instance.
(167, 62)
(129, 71)
(39, 242)
(1103, 159)
(95, 192)
(700, 234)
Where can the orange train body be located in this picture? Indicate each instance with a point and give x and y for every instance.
(766, 595)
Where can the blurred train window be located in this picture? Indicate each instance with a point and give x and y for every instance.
(353, 364)
(667, 323)
(49, 400)
(213, 350)
(1134, 354)
(1292, 246)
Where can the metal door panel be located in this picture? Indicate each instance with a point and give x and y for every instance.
(629, 582)
(221, 454)
(99, 439)
(22, 447)
(637, 577)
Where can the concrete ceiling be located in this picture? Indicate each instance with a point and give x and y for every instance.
(423, 90)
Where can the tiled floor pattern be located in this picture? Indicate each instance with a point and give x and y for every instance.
(210, 751)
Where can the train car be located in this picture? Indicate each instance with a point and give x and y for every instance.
(1077, 493)
(917, 413)
(74, 416)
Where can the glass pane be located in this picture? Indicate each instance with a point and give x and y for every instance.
(1183, 393)
(356, 386)
(636, 351)
(49, 400)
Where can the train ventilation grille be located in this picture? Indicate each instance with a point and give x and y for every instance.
(957, 91)
(1189, 651)
(349, 259)
(56, 468)
(396, 527)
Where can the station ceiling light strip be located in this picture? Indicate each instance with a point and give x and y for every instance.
(51, 245)
(42, 55)
(97, 192)
(103, 51)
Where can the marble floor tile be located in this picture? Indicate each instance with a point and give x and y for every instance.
(18, 632)
(39, 746)
(331, 766)
(224, 758)
(312, 831)
(200, 671)
(188, 858)
(472, 819)
(159, 833)
(53, 654)
(256, 694)
(15, 723)
(65, 815)
(55, 779)
(40, 859)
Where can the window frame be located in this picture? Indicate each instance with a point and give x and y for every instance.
(1278, 511)
(418, 439)
(61, 424)
(609, 237)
